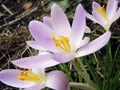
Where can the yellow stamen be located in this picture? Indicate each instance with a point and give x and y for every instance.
(62, 42)
(29, 76)
(102, 11)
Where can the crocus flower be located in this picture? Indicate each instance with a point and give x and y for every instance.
(105, 17)
(59, 40)
(35, 79)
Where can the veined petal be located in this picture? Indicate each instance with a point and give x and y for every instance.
(94, 45)
(78, 26)
(35, 45)
(9, 77)
(57, 80)
(40, 61)
(92, 18)
(111, 8)
(38, 86)
(42, 34)
(96, 14)
(116, 16)
(62, 57)
(59, 21)
(99, 18)
(47, 21)
(95, 6)
(37, 28)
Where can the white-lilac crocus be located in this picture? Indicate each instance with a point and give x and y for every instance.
(35, 79)
(59, 40)
(105, 17)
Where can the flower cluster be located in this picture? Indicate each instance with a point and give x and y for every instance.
(59, 42)
(105, 17)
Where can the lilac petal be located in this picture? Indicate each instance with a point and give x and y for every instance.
(63, 58)
(94, 45)
(57, 80)
(38, 86)
(111, 8)
(35, 45)
(116, 16)
(95, 6)
(42, 34)
(91, 17)
(99, 18)
(59, 21)
(40, 61)
(47, 21)
(96, 14)
(9, 77)
(78, 26)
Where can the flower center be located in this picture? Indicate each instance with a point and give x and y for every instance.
(29, 76)
(102, 11)
(62, 42)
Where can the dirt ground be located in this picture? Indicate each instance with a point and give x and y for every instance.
(14, 18)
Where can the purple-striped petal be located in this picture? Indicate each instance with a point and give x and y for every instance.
(111, 8)
(42, 34)
(57, 80)
(62, 57)
(99, 18)
(59, 21)
(47, 21)
(91, 17)
(35, 45)
(95, 6)
(40, 61)
(94, 45)
(9, 77)
(78, 27)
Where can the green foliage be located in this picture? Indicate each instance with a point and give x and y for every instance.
(1, 14)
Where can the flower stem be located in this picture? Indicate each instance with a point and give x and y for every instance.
(81, 86)
(80, 68)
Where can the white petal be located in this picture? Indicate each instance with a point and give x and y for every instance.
(40, 72)
(87, 30)
(38, 86)
(84, 41)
